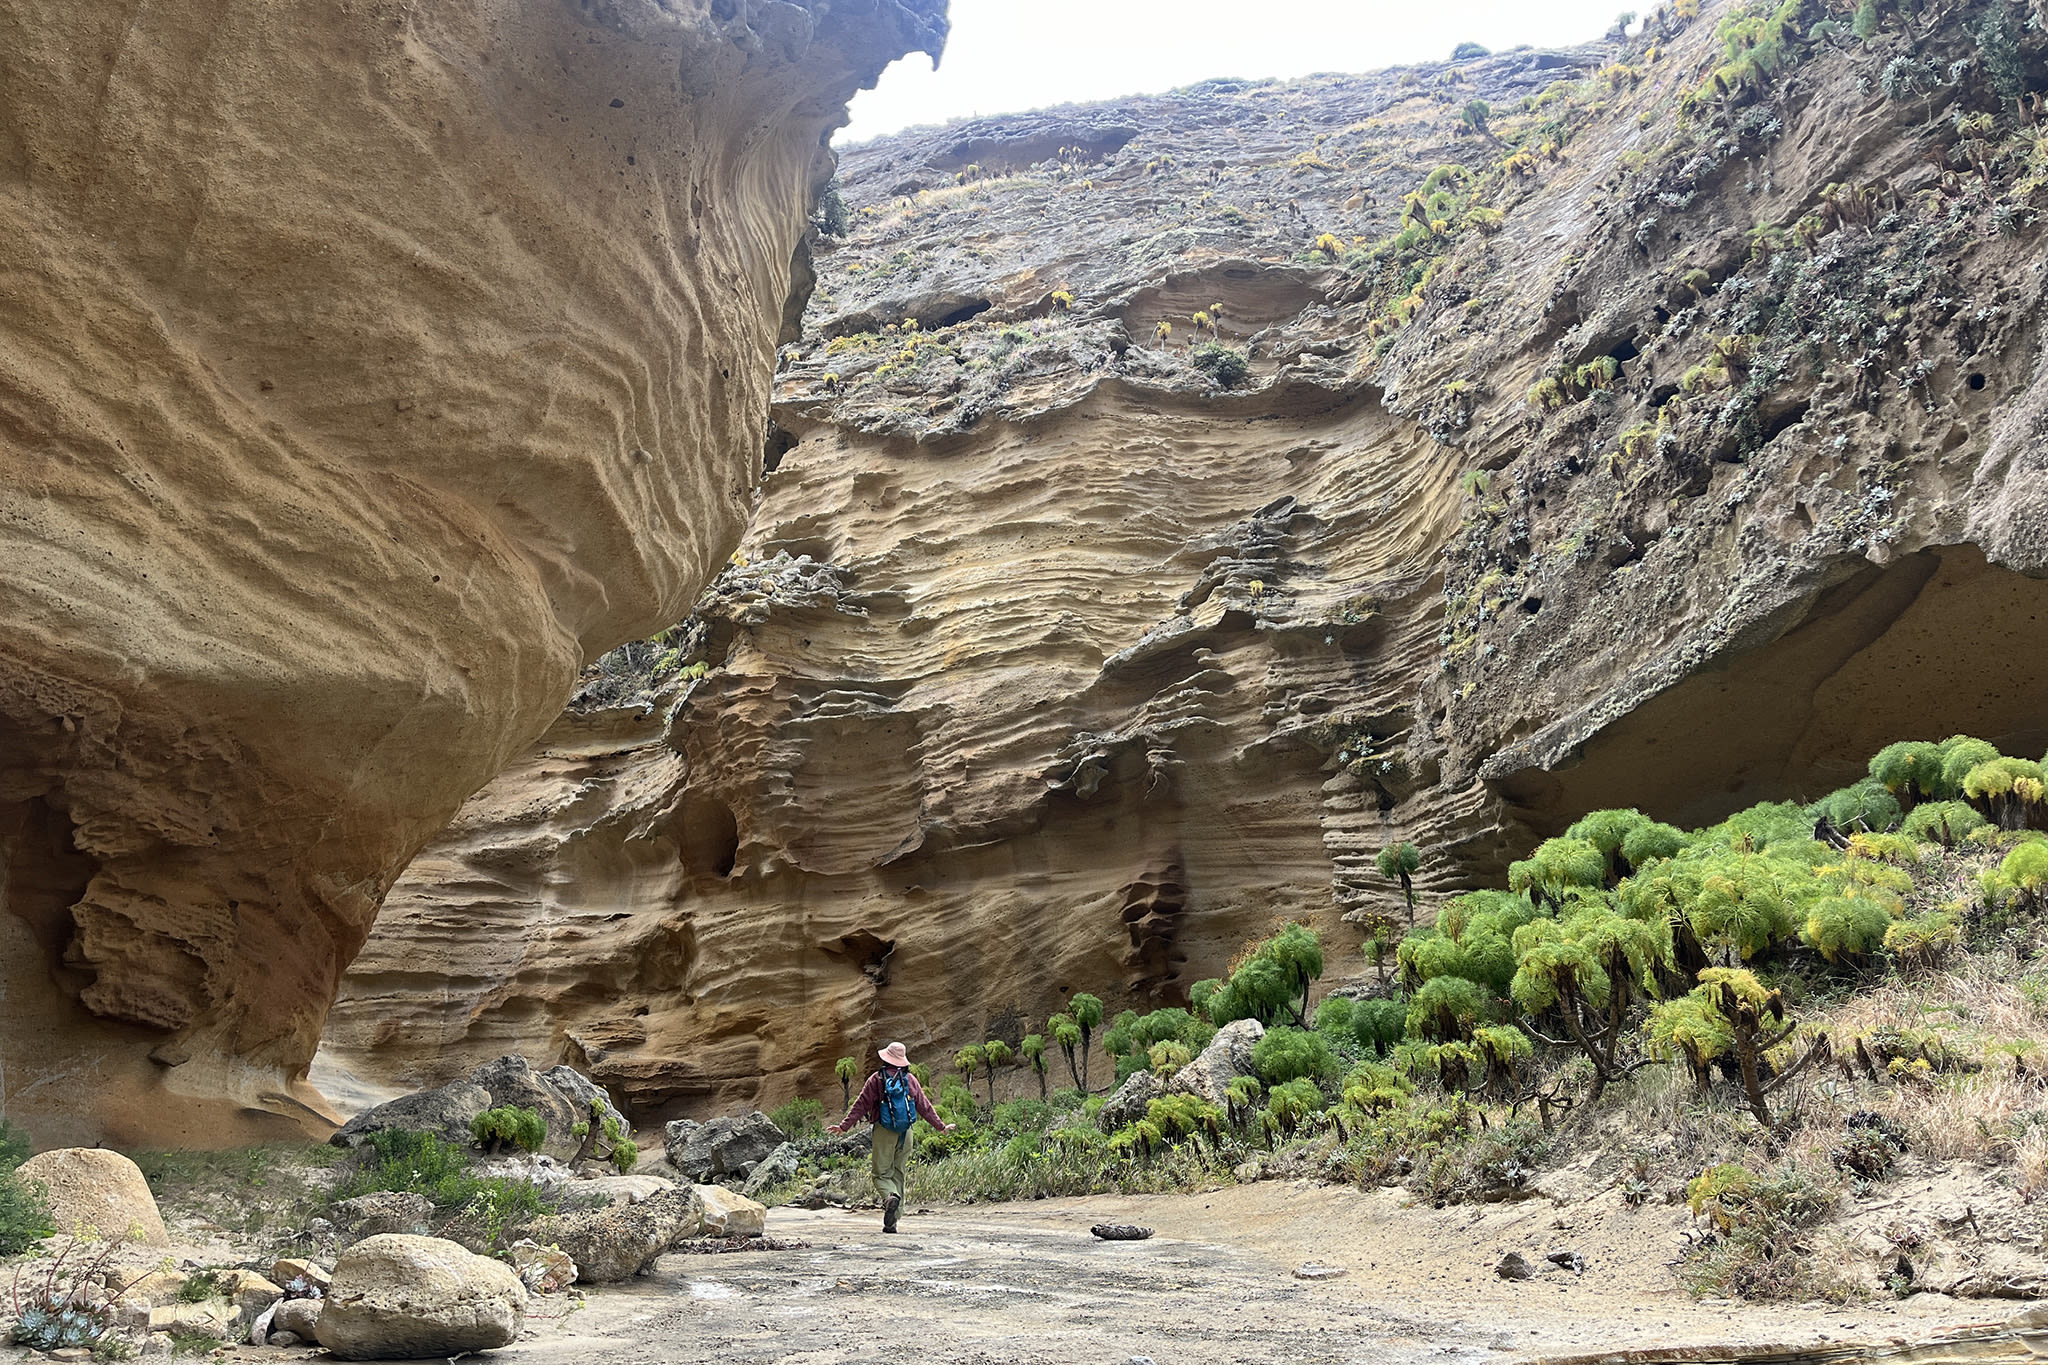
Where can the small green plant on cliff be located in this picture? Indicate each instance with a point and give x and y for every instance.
(508, 1126)
(1399, 863)
(848, 1071)
(1226, 366)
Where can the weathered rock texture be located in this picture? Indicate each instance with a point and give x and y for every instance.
(1060, 665)
(364, 368)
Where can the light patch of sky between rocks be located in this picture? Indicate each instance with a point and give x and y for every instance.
(1007, 56)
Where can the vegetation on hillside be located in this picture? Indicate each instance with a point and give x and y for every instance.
(1796, 996)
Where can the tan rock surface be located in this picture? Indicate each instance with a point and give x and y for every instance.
(1060, 666)
(100, 1191)
(364, 368)
(399, 1298)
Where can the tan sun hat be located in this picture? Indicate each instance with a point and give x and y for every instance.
(894, 1055)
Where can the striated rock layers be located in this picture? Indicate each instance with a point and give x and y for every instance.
(364, 368)
(1652, 424)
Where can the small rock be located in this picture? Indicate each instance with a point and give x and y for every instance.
(250, 1293)
(70, 1353)
(1248, 1172)
(291, 1271)
(543, 1270)
(93, 1188)
(1120, 1232)
(1515, 1266)
(1565, 1259)
(1140, 1360)
(402, 1298)
(157, 1344)
(731, 1215)
(1312, 1271)
(283, 1339)
(214, 1317)
(300, 1317)
(777, 1168)
(386, 1211)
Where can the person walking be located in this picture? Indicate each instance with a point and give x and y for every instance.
(893, 1100)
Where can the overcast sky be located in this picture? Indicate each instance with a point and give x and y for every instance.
(1010, 55)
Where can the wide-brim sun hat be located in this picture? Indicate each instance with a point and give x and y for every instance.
(894, 1055)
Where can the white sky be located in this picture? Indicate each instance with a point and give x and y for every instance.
(1006, 56)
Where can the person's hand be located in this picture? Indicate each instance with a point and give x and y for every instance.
(837, 1128)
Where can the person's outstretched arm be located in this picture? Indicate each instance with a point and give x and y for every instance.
(925, 1110)
(864, 1104)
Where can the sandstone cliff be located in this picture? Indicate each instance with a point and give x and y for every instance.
(364, 369)
(1616, 425)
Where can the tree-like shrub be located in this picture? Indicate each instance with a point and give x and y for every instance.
(1399, 862)
(1910, 770)
(1731, 1014)
(1087, 1014)
(1556, 866)
(1846, 926)
(1863, 806)
(1959, 754)
(1271, 980)
(1032, 1049)
(1379, 1024)
(1945, 822)
(2007, 789)
(1287, 1054)
(508, 1126)
(1587, 971)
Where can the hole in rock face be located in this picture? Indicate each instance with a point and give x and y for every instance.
(972, 309)
(1625, 351)
(1935, 644)
(711, 837)
(779, 444)
(1977, 381)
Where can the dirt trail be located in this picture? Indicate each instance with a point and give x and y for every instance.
(1023, 1283)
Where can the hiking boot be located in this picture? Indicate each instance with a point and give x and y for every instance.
(889, 1211)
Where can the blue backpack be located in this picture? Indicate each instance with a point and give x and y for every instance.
(897, 1112)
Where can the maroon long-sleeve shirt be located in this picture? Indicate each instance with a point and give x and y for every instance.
(869, 1103)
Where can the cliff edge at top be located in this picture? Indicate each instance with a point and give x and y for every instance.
(364, 368)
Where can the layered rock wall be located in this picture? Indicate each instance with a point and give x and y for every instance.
(1621, 426)
(364, 369)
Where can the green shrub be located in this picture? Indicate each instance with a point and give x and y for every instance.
(421, 1163)
(1226, 366)
(1945, 822)
(1910, 770)
(1272, 979)
(799, 1118)
(15, 1146)
(1466, 51)
(1846, 926)
(1334, 1016)
(1287, 1054)
(1379, 1024)
(24, 1212)
(1754, 1249)
(507, 1126)
(1959, 754)
(1864, 806)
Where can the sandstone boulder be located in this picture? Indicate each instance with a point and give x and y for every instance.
(731, 1215)
(543, 1270)
(299, 1275)
(251, 1294)
(445, 1111)
(560, 1096)
(384, 1212)
(620, 1241)
(1127, 1105)
(723, 1149)
(98, 1190)
(398, 1298)
(1228, 1056)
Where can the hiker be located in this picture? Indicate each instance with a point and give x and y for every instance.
(893, 1100)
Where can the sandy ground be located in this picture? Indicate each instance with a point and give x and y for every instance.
(997, 1284)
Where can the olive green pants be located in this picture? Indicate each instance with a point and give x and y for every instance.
(891, 1163)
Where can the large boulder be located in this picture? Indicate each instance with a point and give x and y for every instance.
(731, 1215)
(723, 1149)
(400, 1298)
(560, 1096)
(99, 1191)
(621, 1240)
(1127, 1105)
(606, 1190)
(383, 1212)
(1228, 1056)
(445, 1111)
